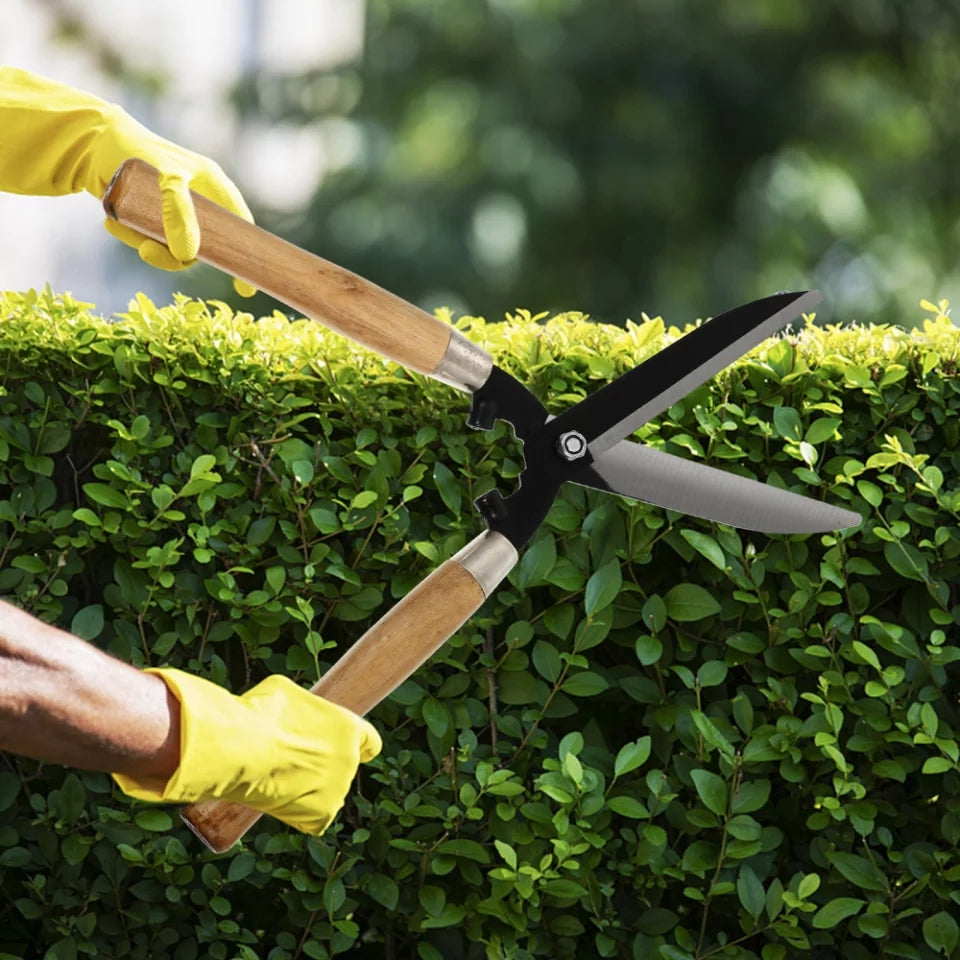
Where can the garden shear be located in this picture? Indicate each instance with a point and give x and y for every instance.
(585, 444)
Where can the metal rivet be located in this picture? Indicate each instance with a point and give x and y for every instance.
(572, 445)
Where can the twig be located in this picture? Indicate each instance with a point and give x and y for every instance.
(491, 690)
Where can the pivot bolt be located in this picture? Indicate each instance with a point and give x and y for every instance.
(572, 445)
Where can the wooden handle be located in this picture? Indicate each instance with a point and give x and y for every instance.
(389, 652)
(309, 284)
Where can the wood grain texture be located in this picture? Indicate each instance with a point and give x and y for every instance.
(337, 298)
(389, 652)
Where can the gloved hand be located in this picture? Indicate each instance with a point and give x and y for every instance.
(56, 140)
(276, 748)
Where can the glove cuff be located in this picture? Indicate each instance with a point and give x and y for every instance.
(218, 744)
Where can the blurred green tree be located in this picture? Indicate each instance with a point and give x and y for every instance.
(672, 156)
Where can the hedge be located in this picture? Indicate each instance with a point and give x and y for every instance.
(659, 738)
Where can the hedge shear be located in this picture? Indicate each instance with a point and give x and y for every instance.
(585, 444)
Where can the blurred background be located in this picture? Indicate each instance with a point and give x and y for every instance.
(670, 157)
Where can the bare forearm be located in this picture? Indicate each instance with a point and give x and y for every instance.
(64, 701)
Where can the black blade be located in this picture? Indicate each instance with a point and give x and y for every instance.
(643, 393)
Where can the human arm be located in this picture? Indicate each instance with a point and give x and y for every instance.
(166, 735)
(64, 701)
(56, 140)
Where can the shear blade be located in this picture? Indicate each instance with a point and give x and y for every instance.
(645, 473)
(619, 408)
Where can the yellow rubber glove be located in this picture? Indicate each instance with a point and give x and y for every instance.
(56, 140)
(276, 748)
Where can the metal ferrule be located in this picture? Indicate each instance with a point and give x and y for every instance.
(464, 365)
(488, 559)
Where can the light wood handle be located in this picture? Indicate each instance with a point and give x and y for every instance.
(389, 652)
(309, 284)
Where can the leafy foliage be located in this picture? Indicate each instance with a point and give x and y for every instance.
(660, 737)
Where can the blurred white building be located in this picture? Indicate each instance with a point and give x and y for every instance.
(202, 48)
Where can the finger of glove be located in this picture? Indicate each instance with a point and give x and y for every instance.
(370, 742)
(215, 185)
(180, 224)
(358, 740)
(156, 254)
(243, 288)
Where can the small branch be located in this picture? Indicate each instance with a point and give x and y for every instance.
(491, 690)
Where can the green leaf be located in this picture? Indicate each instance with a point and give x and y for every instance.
(161, 496)
(822, 429)
(712, 673)
(831, 913)
(260, 531)
(566, 889)
(751, 795)
(469, 849)
(711, 734)
(787, 423)
(687, 602)
(87, 623)
(941, 933)
(603, 587)
(436, 716)
(275, 577)
(302, 471)
(750, 891)
(906, 560)
(507, 852)
(712, 790)
(559, 620)
(448, 487)
(547, 660)
(432, 899)
(15, 857)
(242, 865)
(649, 650)
(156, 821)
(363, 499)
(106, 495)
(536, 563)
(744, 827)
(9, 788)
(867, 655)
(657, 921)
(87, 516)
(870, 492)
(73, 796)
(29, 564)
(326, 521)
(706, 546)
(140, 427)
(202, 465)
(809, 885)
(41, 465)
(858, 870)
(383, 889)
(654, 613)
(74, 851)
(585, 684)
(628, 807)
(631, 756)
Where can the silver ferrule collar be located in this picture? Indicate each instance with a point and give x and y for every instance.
(488, 559)
(464, 365)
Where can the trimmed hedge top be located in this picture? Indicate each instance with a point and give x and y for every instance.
(660, 737)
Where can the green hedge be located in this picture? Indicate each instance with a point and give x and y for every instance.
(660, 738)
